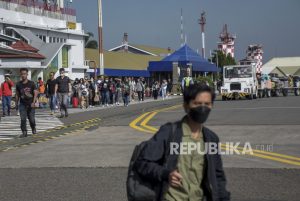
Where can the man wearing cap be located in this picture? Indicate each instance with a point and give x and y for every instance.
(6, 89)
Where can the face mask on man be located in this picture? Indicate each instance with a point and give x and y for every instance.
(199, 114)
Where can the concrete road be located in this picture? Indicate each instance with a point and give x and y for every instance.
(92, 164)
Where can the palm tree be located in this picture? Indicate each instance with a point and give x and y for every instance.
(89, 43)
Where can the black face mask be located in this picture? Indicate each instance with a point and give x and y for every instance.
(199, 114)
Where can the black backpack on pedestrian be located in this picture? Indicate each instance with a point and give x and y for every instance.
(139, 189)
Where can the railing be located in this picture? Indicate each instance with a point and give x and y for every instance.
(40, 9)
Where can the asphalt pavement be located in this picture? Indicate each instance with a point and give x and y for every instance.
(90, 164)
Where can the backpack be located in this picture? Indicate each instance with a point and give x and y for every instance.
(139, 189)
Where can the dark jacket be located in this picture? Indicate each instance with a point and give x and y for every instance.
(155, 165)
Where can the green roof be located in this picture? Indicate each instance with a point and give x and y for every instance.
(154, 50)
(121, 60)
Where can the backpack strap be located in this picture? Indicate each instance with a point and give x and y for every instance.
(170, 139)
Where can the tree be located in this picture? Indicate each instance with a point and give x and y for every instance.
(223, 59)
(89, 42)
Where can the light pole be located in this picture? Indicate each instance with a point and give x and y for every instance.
(100, 34)
(215, 53)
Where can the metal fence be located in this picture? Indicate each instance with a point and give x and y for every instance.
(40, 9)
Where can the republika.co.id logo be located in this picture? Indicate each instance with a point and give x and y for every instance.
(228, 148)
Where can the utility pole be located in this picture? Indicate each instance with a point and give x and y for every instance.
(202, 22)
(100, 33)
(181, 29)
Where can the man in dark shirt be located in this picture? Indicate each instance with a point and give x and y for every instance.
(104, 88)
(63, 89)
(50, 92)
(26, 93)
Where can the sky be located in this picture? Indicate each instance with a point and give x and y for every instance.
(273, 23)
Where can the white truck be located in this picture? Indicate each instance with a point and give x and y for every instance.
(239, 81)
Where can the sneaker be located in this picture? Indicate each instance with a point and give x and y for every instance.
(33, 131)
(24, 134)
(18, 114)
(66, 114)
(52, 113)
(61, 116)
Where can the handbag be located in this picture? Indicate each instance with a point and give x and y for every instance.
(96, 98)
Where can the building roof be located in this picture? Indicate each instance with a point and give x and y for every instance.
(20, 49)
(144, 49)
(50, 50)
(21, 45)
(121, 60)
(280, 62)
(184, 56)
(32, 39)
(285, 71)
(155, 50)
(4, 37)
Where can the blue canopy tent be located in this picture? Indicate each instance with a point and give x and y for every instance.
(184, 56)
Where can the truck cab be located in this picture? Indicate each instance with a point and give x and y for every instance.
(239, 81)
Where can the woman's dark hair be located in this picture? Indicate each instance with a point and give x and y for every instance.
(192, 91)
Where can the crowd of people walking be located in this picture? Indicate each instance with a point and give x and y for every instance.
(61, 92)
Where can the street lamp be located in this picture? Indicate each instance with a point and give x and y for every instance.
(215, 53)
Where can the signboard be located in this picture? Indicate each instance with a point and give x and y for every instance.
(65, 57)
(71, 25)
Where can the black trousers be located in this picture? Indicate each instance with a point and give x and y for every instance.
(141, 95)
(26, 111)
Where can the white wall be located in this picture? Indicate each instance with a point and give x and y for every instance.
(20, 63)
(76, 52)
(76, 73)
(1, 75)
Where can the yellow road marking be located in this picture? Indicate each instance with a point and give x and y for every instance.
(134, 122)
(292, 160)
(147, 119)
(144, 123)
(264, 156)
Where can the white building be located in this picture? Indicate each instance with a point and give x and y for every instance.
(51, 29)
